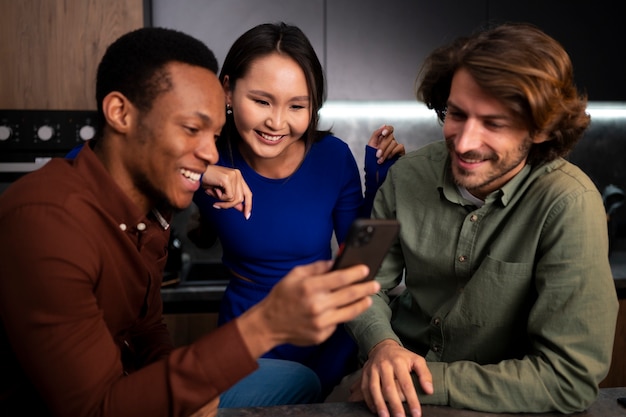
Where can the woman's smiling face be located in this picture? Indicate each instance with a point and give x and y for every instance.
(271, 106)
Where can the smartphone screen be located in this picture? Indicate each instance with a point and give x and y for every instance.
(368, 242)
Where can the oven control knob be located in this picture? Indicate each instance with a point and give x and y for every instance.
(5, 132)
(87, 132)
(45, 132)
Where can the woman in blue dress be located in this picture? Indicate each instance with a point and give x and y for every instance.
(305, 183)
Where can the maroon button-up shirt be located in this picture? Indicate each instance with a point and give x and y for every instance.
(80, 305)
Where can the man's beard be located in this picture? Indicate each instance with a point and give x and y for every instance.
(500, 168)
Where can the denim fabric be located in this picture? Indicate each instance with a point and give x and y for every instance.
(276, 382)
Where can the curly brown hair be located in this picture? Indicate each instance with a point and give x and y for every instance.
(525, 69)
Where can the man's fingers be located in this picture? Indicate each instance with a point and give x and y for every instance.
(391, 394)
(410, 396)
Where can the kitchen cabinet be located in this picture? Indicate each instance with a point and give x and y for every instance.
(372, 50)
(50, 49)
(219, 23)
(369, 50)
(593, 33)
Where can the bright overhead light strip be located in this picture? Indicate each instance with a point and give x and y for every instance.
(398, 110)
(392, 110)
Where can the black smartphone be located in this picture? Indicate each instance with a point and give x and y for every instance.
(368, 242)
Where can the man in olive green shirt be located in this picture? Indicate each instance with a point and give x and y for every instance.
(509, 304)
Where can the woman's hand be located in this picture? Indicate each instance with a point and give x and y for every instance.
(228, 186)
(384, 140)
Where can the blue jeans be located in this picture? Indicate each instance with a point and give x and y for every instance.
(276, 382)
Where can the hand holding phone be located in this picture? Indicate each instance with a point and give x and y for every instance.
(368, 242)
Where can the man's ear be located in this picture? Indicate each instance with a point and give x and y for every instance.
(540, 137)
(118, 111)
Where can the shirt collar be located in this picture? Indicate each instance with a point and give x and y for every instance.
(503, 194)
(111, 197)
(164, 224)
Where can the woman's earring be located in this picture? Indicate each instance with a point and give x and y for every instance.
(229, 110)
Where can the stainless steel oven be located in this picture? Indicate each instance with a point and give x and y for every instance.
(29, 138)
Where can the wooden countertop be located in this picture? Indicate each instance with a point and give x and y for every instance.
(605, 406)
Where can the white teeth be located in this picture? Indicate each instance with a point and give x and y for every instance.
(270, 138)
(470, 161)
(193, 176)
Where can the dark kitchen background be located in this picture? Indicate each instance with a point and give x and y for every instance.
(371, 51)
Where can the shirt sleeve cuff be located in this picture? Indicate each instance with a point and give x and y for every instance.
(440, 391)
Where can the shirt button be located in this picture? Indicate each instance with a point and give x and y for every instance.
(123, 227)
(437, 321)
(436, 348)
(141, 227)
(462, 258)
(473, 218)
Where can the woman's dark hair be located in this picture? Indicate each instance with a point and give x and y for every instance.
(285, 39)
(525, 69)
(135, 64)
